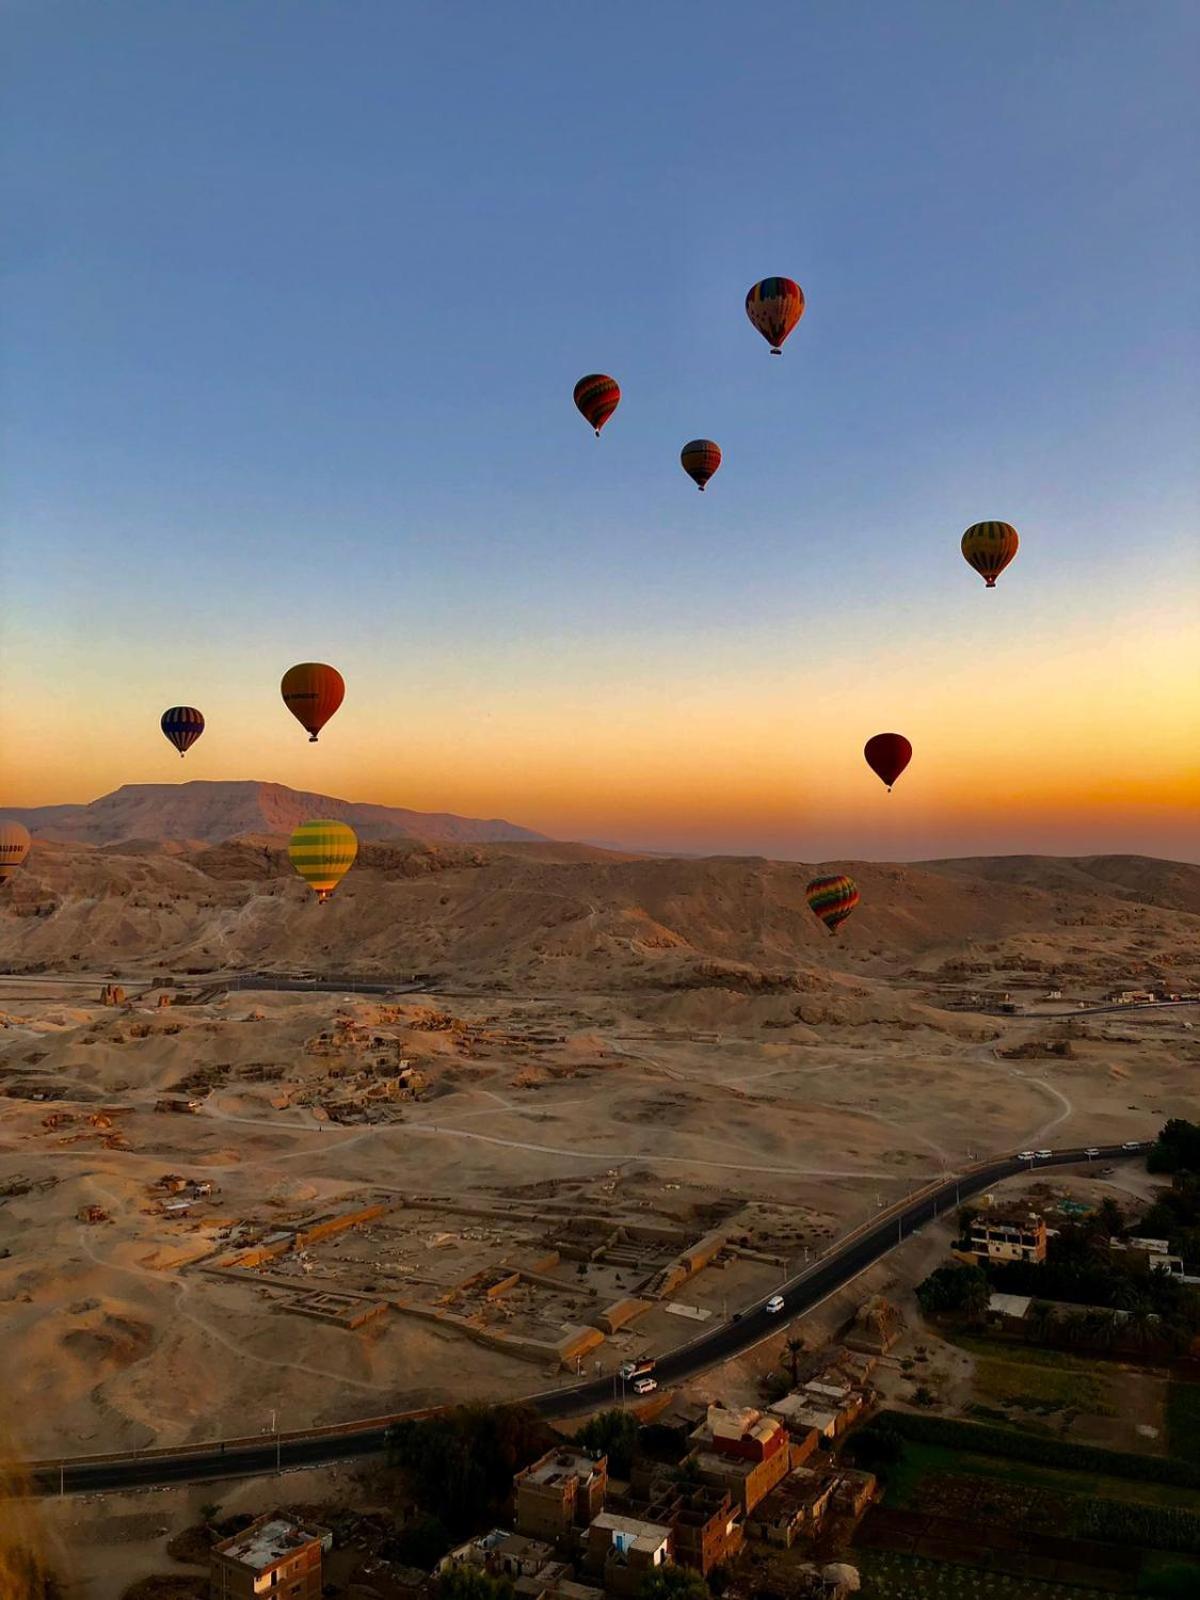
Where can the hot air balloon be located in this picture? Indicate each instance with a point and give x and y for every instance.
(182, 725)
(323, 852)
(887, 756)
(832, 899)
(989, 547)
(597, 397)
(775, 306)
(14, 847)
(312, 692)
(700, 459)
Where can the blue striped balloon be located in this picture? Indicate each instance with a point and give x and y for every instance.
(182, 725)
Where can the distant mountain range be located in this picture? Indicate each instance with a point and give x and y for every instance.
(208, 813)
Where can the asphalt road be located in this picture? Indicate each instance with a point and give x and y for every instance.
(744, 1329)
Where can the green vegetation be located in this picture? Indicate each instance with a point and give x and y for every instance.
(1145, 1527)
(420, 1543)
(918, 1461)
(460, 1465)
(613, 1434)
(1045, 1388)
(1177, 1148)
(877, 1447)
(955, 1289)
(1183, 1421)
(888, 1575)
(472, 1583)
(1009, 1444)
(1175, 1215)
(673, 1583)
(1167, 1579)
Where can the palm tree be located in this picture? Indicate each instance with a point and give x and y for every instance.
(796, 1347)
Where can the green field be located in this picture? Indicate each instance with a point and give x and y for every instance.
(887, 1575)
(1047, 1389)
(920, 1460)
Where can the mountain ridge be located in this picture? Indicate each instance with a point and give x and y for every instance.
(209, 812)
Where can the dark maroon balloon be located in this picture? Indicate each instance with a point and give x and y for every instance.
(887, 756)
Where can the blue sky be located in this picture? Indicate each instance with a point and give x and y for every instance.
(297, 294)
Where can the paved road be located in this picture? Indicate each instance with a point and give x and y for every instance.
(746, 1328)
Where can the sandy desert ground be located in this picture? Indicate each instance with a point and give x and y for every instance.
(639, 1042)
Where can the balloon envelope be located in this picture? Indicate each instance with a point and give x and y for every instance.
(323, 852)
(832, 899)
(182, 725)
(775, 306)
(700, 458)
(989, 547)
(887, 755)
(14, 847)
(597, 397)
(312, 692)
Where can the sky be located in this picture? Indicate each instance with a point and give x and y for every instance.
(295, 296)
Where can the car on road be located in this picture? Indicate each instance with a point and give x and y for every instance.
(1132, 1144)
(628, 1370)
(1026, 1155)
(1044, 1155)
(645, 1386)
(774, 1305)
(1092, 1150)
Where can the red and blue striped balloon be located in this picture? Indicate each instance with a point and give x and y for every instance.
(182, 725)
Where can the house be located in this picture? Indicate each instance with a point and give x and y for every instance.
(565, 1489)
(796, 1509)
(624, 1550)
(854, 1491)
(273, 1555)
(707, 1529)
(1154, 1254)
(1007, 1233)
(747, 1481)
(500, 1553)
(823, 1409)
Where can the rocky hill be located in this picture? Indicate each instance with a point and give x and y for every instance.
(206, 813)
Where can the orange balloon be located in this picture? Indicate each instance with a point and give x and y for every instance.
(312, 692)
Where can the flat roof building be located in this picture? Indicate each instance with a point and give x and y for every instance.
(1007, 1235)
(274, 1556)
(564, 1490)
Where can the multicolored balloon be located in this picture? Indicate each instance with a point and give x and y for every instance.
(989, 547)
(14, 847)
(887, 755)
(832, 899)
(182, 725)
(597, 397)
(312, 692)
(775, 306)
(323, 852)
(700, 458)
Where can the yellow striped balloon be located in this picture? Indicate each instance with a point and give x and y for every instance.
(14, 847)
(323, 852)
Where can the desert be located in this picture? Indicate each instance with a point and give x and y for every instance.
(265, 1163)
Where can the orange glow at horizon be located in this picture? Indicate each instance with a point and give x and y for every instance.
(1092, 733)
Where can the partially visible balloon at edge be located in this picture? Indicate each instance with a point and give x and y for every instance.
(597, 396)
(14, 847)
(775, 306)
(989, 547)
(312, 692)
(182, 725)
(887, 755)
